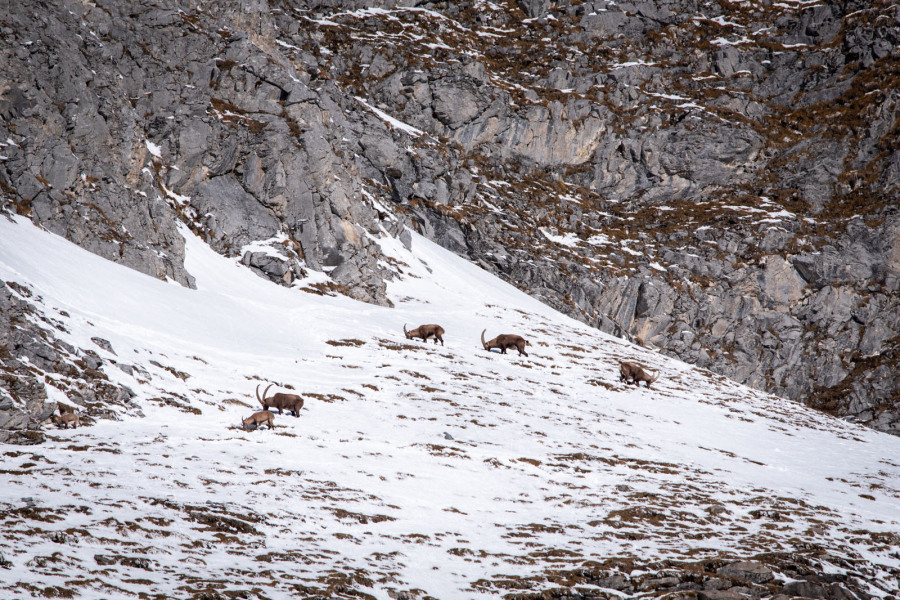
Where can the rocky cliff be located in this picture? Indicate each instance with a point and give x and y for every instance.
(718, 180)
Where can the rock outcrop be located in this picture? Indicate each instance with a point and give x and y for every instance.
(763, 576)
(29, 349)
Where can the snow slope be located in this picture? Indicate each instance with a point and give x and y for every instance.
(412, 466)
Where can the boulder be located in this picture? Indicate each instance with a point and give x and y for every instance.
(753, 572)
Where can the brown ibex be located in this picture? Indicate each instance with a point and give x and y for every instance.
(632, 373)
(505, 341)
(258, 419)
(425, 332)
(289, 402)
(66, 418)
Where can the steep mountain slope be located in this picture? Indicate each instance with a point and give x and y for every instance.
(716, 179)
(414, 470)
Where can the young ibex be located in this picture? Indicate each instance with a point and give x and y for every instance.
(632, 373)
(66, 418)
(505, 341)
(289, 402)
(258, 419)
(425, 332)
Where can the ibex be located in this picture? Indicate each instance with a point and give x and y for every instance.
(505, 341)
(258, 419)
(632, 373)
(425, 332)
(66, 418)
(289, 402)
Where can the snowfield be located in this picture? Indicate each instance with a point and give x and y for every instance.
(414, 467)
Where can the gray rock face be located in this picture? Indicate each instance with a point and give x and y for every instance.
(660, 169)
(821, 591)
(535, 8)
(753, 572)
(117, 123)
(718, 595)
(706, 580)
(23, 405)
(223, 134)
(26, 352)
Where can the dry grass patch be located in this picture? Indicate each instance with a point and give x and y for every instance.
(347, 342)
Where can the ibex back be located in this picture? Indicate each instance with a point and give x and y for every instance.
(633, 373)
(425, 332)
(504, 341)
(258, 419)
(289, 402)
(66, 418)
